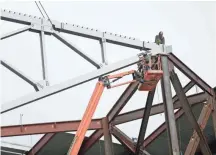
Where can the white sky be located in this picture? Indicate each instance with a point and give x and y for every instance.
(188, 26)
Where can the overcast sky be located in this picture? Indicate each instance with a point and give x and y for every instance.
(188, 26)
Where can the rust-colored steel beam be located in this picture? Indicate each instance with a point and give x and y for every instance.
(170, 66)
(189, 114)
(137, 114)
(41, 128)
(190, 74)
(157, 109)
(202, 121)
(54, 127)
(108, 145)
(89, 142)
(40, 144)
(145, 120)
(121, 102)
(162, 127)
(213, 102)
(123, 138)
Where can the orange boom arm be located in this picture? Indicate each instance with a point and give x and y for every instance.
(148, 81)
(86, 120)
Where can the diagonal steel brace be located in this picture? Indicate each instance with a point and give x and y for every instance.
(188, 112)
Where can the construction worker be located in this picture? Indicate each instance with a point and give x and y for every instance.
(159, 39)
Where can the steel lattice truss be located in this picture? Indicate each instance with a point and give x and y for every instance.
(107, 125)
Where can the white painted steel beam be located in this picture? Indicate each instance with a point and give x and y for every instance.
(68, 84)
(77, 50)
(19, 73)
(15, 32)
(37, 23)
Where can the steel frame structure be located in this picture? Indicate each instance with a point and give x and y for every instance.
(107, 125)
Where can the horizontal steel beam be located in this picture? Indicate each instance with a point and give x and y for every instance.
(54, 127)
(50, 127)
(68, 84)
(78, 30)
(20, 74)
(3, 151)
(157, 109)
(190, 74)
(77, 50)
(13, 33)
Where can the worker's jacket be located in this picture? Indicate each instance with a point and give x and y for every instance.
(158, 40)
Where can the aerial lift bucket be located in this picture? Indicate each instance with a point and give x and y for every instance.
(151, 79)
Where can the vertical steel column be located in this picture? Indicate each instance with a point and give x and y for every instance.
(166, 117)
(43, 55)
(168, 106)
(107, 137)
(171, 65)
(145, 120)
(213, 102)
(203, 119)
(103, 50)
(189, 114)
